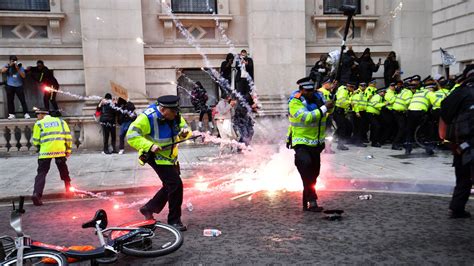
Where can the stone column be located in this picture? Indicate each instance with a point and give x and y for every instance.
(412, 35)
(110, 49)
(111, 52)
(277, 45)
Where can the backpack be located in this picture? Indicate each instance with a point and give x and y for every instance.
(461, 128)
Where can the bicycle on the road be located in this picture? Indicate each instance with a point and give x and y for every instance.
(147, 238)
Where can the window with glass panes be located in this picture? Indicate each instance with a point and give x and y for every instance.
(25, 5)
(332, 6)
(194, 6)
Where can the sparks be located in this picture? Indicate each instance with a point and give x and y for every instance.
(72, 189)
(140, 40)
(116, 206)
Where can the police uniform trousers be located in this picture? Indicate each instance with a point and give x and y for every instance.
(308, 163)
(171, 191)
(401, 119)
(435, 126)
(43, 169)
(361, 125)
(414, 119)
(343, 130)
(375, 128)
(389, 125)
(464, 179)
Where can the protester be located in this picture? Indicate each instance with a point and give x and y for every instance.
(107, 120)
(367, 66)
(126, 117)
(244, 73)
(199, 100)
(457, 110)
(226, 73)
(15, 74)
(391, 69)
(47, 83)
(223, 118)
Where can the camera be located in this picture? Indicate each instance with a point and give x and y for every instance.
(348, 9)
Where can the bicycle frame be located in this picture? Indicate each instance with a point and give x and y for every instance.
(118, 236)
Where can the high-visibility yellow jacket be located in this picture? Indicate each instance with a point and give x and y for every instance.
(369, 92)
(437, 97)
(150, 128)
(307, 121)
(53, 136)
(375, 104)
(326, 93)
(390, 97)
(402, 100)
(359, 101)
(420, 101)
(457, 85)
(343, 98)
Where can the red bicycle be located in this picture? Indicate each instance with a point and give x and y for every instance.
(147, 238)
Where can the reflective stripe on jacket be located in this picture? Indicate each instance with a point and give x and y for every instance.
(420, 101)
(375, 105)
(342, 98)
(150, 128)
(307, 121)
(402, 100)
(390, 97)
(53, 136)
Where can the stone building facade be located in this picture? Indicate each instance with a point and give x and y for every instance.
(135, 43)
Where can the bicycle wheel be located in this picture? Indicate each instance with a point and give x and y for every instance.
(164, 239)
(43, 257)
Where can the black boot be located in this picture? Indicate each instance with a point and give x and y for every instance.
(147, 213)
(313, 207)
(36, 200)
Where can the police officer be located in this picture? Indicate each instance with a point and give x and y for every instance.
(53, 137)
(158, 126)
(343, 105)
(306, 135)
(326, 90)
(374, 108)
(359, 103)
(417, 111)
(400, 108)
(459, 106)
(387, 117)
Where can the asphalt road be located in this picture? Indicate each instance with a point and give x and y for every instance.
(272, 229)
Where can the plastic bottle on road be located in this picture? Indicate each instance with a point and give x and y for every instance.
(365, 197)
(211, 232)
(189, 206)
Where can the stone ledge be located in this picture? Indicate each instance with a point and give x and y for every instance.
(23, 14)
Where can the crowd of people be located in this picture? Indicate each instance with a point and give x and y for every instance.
(401, 113)
(14, 75)
(232, 113)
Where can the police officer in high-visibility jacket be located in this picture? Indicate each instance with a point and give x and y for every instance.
(374, 108)
(53, 137)
(326, 89)
(361, 122)
(440, 92)
(153, 134)
(343, 105)
(306, 135)
(389, 124)
(400, 108)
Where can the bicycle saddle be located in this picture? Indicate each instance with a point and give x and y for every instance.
(101, 217)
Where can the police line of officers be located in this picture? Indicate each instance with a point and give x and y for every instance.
(391, 114)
